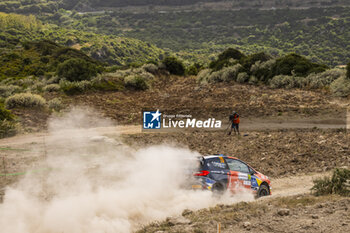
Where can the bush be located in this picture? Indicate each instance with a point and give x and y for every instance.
(192, 70)
(72, 88)
(339, 183)
(136, 82)
(250, 60)
(242, 77)
(105, 84)
(262, 70)
(283, 81)
(341, 87)
(52, 88)
(7, 128)
(253, 80)
(202, 76)
(227, 58)
(150, 68)
(76, 69)
(321, 80)
(230, 73)
(5, 114)
(8, 90)
(294, 64)
(26, 100)
(174, 66)
(231, 53)
(55, 104)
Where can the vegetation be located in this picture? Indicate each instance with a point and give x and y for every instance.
(339, 183)
(121, 51)
(39, 58)
(294, 64)
(50, 6)
(290, 71)
(348, 70)
(8, 126)
(174, 66)
(76, 69)
(26, 100)
(198, 35)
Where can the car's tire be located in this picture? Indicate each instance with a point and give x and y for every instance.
(263, 190)
(218, 190)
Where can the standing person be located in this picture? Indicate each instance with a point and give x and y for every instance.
(234, 121)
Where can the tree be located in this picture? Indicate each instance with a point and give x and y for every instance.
(174, 66)
(76, 69)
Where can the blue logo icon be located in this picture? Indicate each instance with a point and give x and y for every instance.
(151, 120)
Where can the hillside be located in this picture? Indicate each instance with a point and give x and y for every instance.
(318, 33)
(112, 50)
(49, 6)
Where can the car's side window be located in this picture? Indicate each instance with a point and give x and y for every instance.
(236, 165)
(216, 164)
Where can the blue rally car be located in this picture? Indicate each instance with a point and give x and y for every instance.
(219, 173)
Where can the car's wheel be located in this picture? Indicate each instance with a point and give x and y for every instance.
(263, 190)
(218, 190)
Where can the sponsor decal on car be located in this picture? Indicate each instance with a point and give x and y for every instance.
(242, 176)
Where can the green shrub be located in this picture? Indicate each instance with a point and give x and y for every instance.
(231, 53)
(251, 59)
(263, 70)
(230, 73)
(174, 66)
(227, 58)
(55, 104)
(76, 69)
(242, 77)
(52, 88)
(294, 64)
(253, 80)
(192, 70)
(202, 76)
(5, 114)
(8, 90)
(72, 88)
(339, 183)
(341, 87)
(26, 100)
(227, 74)
(150, 68)
(321, 80)
(8, 128)
(136, 82)
(284, 81)
(104, 84)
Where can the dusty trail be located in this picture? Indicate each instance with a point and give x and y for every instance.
(27, 153)
(246, 125)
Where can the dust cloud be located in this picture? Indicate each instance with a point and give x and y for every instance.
(93, 183)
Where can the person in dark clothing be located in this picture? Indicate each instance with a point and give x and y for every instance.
(234, 121)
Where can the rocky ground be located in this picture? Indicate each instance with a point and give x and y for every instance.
(274, 153)
(303, 213)
(183, 95)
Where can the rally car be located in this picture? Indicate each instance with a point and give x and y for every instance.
(219, 173)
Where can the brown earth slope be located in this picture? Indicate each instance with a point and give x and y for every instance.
(286, 214)
(274, 153)
(184, 95)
